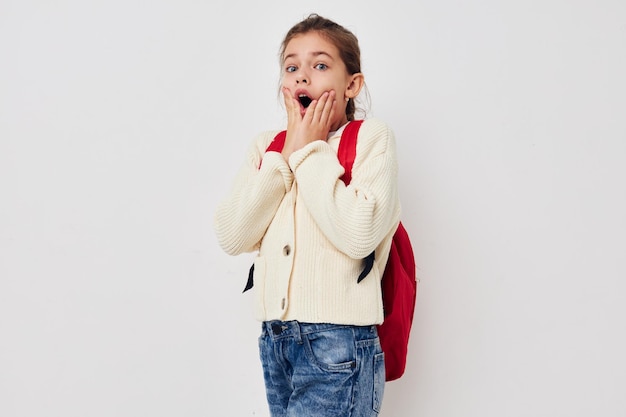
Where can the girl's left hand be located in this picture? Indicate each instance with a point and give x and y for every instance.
(314, 125)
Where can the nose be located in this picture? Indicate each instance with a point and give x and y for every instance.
(302, 78)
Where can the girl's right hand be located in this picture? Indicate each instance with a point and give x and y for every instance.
(314, 125)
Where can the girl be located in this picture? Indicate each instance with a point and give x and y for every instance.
(319, 346)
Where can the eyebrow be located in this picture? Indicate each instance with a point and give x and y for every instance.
(315, 54)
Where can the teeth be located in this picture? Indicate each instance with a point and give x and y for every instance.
(304, 100)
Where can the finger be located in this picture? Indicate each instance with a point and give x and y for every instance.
(292, 106)
(309, 114)
(288, 99)
(327, 110)
(317, 107)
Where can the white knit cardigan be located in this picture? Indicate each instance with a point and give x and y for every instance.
(311, 231)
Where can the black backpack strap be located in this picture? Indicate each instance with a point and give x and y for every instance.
(368, 264)
(250, 282)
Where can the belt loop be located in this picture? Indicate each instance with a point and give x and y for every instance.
(297, 330)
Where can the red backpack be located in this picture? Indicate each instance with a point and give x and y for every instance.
(399, 284)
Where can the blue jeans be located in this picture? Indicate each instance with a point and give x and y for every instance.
(322, 369)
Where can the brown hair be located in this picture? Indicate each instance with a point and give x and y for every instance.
(342, 38)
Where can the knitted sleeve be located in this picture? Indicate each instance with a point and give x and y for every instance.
(355, 218)
(242, 218)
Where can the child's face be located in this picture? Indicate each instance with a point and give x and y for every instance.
(312, 65)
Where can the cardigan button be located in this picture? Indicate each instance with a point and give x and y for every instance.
(286, 250)
(282, 304)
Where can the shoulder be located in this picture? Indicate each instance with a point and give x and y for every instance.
(375, 124)
(257, 146)
(263, 139)
(375, 137)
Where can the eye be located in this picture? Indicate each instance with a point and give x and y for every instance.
(290, 68)
(321, 66)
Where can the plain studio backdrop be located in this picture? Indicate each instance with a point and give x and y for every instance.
(122, 124)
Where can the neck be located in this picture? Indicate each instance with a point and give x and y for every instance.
(339, 123)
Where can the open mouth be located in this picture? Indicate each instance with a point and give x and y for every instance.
(305, 100)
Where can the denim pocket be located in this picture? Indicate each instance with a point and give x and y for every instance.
(332, 350)
(379, 381)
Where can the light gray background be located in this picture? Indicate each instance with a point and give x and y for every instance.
(122, 123)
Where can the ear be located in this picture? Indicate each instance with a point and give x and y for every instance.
(355, 84)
